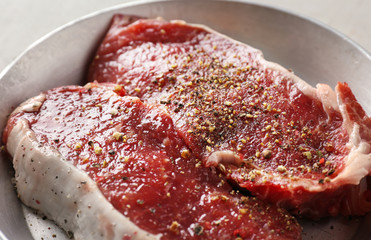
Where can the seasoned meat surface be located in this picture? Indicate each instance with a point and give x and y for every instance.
(143, 168)
(259, 124)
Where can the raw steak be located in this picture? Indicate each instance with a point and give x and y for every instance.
(108, 166)
(306, 149)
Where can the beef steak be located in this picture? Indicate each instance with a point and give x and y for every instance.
(306, 149)
(108, 166)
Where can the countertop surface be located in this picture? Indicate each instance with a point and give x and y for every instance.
(22, 21)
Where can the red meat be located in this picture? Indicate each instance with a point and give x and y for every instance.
(143, 168)
(306, 149)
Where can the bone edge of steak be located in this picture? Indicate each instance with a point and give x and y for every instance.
(48, 183)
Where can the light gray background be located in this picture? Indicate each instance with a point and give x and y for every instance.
(24, 21)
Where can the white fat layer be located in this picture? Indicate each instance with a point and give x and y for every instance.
(223, 157)
(358, 161)
(47, 182)
(328, 97)
(32, 104)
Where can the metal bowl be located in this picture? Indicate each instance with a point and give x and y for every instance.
(315, 52)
